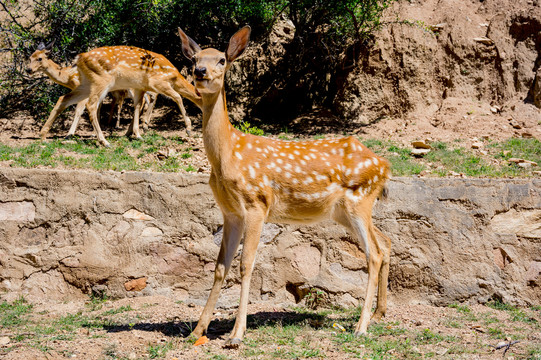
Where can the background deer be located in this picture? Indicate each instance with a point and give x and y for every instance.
(112, 68)
(69, 77)
(256, 179)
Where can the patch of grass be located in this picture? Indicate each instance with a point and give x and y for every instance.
(159, 350)
(14, 314)
(496, 333)
(460, 308)
(247, 128)
(427, 336)
(96, 301)
(124, 154)
(123, 308)
(454, 324)
(515, 313)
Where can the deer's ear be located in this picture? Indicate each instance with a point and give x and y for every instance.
(238, 43)
(41, 46)
(50, 45)
(189, 47)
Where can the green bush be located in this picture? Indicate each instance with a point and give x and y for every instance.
(322, 32)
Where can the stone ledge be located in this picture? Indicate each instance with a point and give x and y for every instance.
(65, 232)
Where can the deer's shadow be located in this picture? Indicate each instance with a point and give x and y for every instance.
(220, 327)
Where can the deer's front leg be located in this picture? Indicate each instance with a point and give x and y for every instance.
(78, 112)
(233, 229)
(254, 223)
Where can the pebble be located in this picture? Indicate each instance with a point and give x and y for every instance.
(420, 152)
(4, 340)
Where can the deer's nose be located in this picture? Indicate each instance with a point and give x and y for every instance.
(200, 72)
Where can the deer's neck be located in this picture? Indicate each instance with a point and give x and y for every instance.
(217, 131)
(58, 74)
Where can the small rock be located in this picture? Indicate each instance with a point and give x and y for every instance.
(538, 173)
(515, 160)
(533, 271)
(136, 284)
(437, 27)
(493, 110)
(420, 145)
(525, 165)
(4, 340)
(137, 215)
(420, 152)
(515, 124)
(484, 40)
(162, 154)
(527, 134)
(477, 145)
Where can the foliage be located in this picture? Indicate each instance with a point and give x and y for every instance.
(324, 29)
(247, 128)
(14, 314)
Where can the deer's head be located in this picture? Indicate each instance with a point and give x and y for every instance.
(210, 65)
(38, 60)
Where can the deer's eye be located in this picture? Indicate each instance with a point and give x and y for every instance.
(39, 59)
(222, 61)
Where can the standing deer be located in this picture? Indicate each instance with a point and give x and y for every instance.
(256, 179)
(113, 68)
(69, 77)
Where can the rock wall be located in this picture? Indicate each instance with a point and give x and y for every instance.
(67, 233)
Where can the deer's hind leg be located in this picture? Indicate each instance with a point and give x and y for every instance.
(168, 90)
(357, 218)
(385, 245)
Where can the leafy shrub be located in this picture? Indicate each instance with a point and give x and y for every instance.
(322, 33)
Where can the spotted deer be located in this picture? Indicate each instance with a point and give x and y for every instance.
(113, 68)
(68, 77)
(256, 179)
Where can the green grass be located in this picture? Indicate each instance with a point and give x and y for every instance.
(460, 308)
(136, 155)
(157, 351)
(514, 312)
(123, 155)
(14, 314)
(445, 158)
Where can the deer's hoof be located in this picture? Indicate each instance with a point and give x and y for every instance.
(359, 333)
(68, 137)
(188, 133)
(232, 343)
